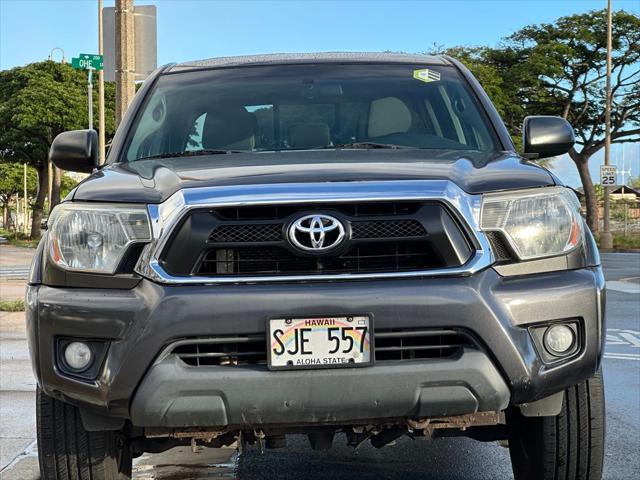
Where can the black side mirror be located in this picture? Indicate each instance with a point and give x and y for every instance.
(545, 136)
(75, 151)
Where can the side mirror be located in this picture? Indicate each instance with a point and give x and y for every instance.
(75, 151)
(545, 136)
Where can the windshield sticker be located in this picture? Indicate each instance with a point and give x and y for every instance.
(426, 75)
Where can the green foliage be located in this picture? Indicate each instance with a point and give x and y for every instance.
(12, 181)
(12, 305)
(626, 242)
(41, 100)
(559, 69)
(67, 185)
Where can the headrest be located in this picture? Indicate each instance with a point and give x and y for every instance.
(229, 128)
(309, 135)
(388, 115)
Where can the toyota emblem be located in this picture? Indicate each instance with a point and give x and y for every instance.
(316, 233)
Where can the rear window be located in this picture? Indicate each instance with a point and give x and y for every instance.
(300, 107)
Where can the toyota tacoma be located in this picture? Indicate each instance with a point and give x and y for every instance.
(339, 245)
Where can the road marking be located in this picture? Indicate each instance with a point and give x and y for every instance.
(14, 271)
(623, 356)
(625, 287)
(628, 338)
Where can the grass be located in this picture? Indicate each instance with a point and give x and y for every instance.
(622, 242)
(18, 239)
(12, 305)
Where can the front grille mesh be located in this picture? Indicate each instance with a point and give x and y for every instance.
(385, 257)
(390, 345)
(265, 232)
(388, 229)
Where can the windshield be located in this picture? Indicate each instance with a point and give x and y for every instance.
(301, 107)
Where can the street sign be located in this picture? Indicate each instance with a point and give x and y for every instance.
(608, 176)
(86, 60)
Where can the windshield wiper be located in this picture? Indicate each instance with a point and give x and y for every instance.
(188, 153)
(367, 145)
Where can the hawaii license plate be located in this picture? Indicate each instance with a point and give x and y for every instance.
(319, 342)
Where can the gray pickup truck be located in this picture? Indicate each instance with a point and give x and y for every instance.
(320, 244)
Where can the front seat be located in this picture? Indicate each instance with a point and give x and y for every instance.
(229, 128)
(387, 116)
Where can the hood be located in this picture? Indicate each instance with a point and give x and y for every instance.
(153, 181)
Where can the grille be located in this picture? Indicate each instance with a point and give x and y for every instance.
(388, 229)
(419, 344)
(385, 237)
(279, 212)
(266, 232)
(390, 345)
(385, 257)
(499, 247)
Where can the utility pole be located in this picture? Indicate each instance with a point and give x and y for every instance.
(125, 56)
(606, 238)
(90, 95)
(24, 207)
(101, 133)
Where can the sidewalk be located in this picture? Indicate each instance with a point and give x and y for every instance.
(17, 389)
(14, 269)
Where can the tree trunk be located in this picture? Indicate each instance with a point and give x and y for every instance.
(5, 217)
(55, 187)
(38, 206)
(591, 200)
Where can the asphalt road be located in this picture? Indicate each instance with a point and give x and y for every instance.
(443, 459)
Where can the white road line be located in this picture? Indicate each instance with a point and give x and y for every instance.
(620, 356)
(625, 287)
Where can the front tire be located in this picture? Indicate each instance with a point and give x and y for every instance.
(66, 451)
(569, 446)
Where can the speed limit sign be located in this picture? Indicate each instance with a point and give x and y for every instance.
(608, 176)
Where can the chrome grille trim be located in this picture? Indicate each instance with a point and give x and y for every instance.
(165, 216)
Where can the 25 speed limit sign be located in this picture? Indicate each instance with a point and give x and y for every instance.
(608, 175)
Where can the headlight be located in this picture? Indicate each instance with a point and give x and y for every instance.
(95, 237)
(537, 223)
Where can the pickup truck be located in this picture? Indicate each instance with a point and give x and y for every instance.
(343, 245)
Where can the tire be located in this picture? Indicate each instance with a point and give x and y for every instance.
(66, 451)
(569, 446)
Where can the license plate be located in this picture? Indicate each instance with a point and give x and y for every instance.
(319, 342)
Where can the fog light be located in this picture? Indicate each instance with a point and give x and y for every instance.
(77, 355)
(559, 339)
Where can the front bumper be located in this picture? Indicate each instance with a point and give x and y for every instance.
(140, 322)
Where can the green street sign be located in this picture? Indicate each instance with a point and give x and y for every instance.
(85, 61)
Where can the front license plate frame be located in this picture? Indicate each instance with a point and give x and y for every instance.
(341, 321)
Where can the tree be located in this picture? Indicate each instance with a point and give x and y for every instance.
(38, 102)
(560, 69)
(12, 183)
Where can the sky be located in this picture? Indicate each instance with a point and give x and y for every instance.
(196, 29)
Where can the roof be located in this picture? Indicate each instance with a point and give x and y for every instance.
(325, 57)
(627, 191)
